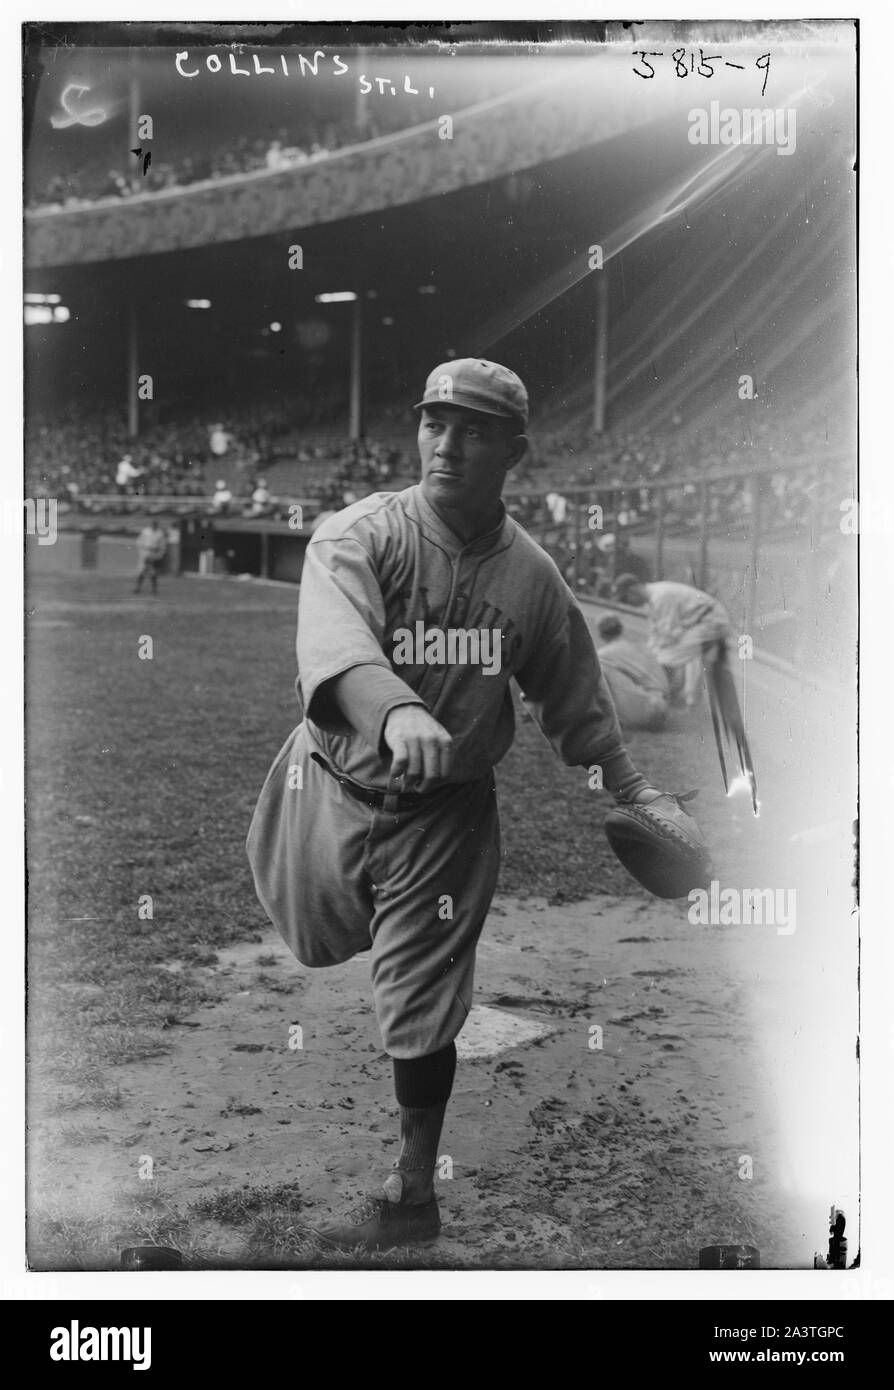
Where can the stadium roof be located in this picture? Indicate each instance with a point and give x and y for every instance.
(720, 260)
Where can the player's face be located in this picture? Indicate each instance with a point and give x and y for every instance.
(465, 458)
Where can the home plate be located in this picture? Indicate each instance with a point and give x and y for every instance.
(487, 1032)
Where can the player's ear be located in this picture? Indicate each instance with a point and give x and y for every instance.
(518, 447)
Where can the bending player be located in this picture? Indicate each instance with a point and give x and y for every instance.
(376, 829)
(688, 630)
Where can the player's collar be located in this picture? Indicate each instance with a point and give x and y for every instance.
(433, 521)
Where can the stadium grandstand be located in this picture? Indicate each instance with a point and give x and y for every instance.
(245, 249)
(249, 297)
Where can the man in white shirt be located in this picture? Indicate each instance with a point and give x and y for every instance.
(222, 498)
(688, 629)
(557, 506)
(260, 499)
(125, 474)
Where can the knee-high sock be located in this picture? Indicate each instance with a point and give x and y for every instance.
(422, 1086)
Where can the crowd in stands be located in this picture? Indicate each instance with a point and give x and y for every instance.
(590, 561)
(352, 469)
(310, 136)
(619, 455)
(241, 155)
(86, 460)
(629, 458)
(638, 454)
(363, 466)
(256, 462)
(80, 452)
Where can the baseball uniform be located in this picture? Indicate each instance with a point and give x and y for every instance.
(637, 683)
(342, 860)
(682, 621)
(151, 547)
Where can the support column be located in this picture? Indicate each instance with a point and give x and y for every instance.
(660, 499)
(757, 497)
(576, 502)
(134, 164)
(356, 388)
(614, 506)
(133, 368)
(704, 496)
(601, 360)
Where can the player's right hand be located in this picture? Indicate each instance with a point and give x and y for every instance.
(422, 748)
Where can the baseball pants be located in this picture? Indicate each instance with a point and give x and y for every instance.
(148, 569)
(685, 657)
(636, 708)
(412, 886)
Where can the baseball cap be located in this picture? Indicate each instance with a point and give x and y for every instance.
(477, 384)
(625, 582)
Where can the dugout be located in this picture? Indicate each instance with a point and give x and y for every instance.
(264, 548)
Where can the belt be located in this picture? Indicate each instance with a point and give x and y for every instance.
(370, 796)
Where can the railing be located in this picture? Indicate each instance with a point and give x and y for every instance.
(764, 555)
(124, 504)
(646, 514)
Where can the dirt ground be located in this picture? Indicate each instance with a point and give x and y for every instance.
(557, 1152)
(632, 1087)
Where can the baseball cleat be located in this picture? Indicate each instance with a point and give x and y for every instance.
(379, 1224)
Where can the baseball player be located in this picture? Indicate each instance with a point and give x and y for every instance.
(151, 547)
(376, 829)
(688, 629)
(637, 683)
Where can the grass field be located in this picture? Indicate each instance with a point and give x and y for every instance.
(142, 776)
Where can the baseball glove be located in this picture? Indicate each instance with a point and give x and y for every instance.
(660, 844)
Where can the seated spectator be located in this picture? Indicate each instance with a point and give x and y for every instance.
(275, 158)
(126, 473)
(260, 500)
(222, 498)
(637, 683)
(557, 506)
(616, 553)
